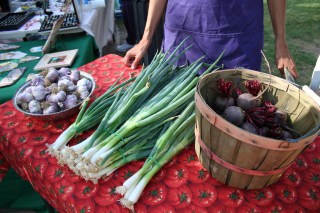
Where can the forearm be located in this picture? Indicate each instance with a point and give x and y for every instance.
(277, 10)
(283, 58)
(155, 12)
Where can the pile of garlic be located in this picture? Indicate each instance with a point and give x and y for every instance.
(54, 90)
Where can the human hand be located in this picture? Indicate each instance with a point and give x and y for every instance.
(135, 54)
(284, 59)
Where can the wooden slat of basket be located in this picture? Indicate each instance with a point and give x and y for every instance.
(294, 116)
(310, 104)
(309, 114)
(287, 161)
(216, 135)
(237, 179)
(270, 94)
(211, 95)
(227, 150)
(293, 91)
(292, 156)
(227, 145)
(215, 138)
(245, 151)
(258, 182)
(198, 148)
(206, 136)
(293, 108)
(273, 160)
(304, 121)
(218, 171)
(282, 98)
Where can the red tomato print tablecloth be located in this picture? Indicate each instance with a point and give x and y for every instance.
(183, 185)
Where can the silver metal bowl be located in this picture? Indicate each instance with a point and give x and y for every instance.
(63, 114)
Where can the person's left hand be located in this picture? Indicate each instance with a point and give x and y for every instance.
(284, 59)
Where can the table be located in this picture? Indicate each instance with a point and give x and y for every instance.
(183, 185)
(87, 52)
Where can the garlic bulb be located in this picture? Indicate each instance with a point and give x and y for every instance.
(64, 71)
(82, 92)
(37, 80)
(53, 75)
(85, 82)
(66, 85)
(24, 97)
(59, 97)
(28, 90)
(53, 108)
(71, 101)
(35, 107)
(75, 76)
(39, 92)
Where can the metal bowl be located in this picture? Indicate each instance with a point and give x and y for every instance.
(63, 114)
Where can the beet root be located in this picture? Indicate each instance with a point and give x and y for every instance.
(286, 135)
(221, 103)
(234, 115)
(248, 127)
(247, 101)
(281, 116)
(263, 131)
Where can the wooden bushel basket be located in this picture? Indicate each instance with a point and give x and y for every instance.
(239, 158)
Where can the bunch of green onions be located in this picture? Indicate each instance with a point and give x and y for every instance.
(140, 120)
(151, 116)
(178, 136)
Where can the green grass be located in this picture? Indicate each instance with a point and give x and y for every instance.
(302, 34)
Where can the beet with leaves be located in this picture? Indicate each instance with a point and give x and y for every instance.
(250, 99)
(224, 99)
(234, 114)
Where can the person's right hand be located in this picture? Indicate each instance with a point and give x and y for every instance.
(135, 54)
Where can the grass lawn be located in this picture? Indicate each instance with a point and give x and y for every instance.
(303, 36)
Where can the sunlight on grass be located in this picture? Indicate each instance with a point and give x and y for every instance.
(309, 5)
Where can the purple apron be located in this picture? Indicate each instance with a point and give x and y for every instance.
(235, 26)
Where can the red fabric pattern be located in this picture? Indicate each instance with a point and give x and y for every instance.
(23, 139)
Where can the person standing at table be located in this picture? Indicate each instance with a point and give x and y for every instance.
(214, 26)
(128, 20)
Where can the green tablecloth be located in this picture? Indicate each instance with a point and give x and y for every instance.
(87, 52)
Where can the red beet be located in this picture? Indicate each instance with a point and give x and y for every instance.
(286, 135)
(247, 101)
(281, 116)
(248, 127)
(224, 99)
(234, 115)
(263, 131)
(221, 103)
(250, 99)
